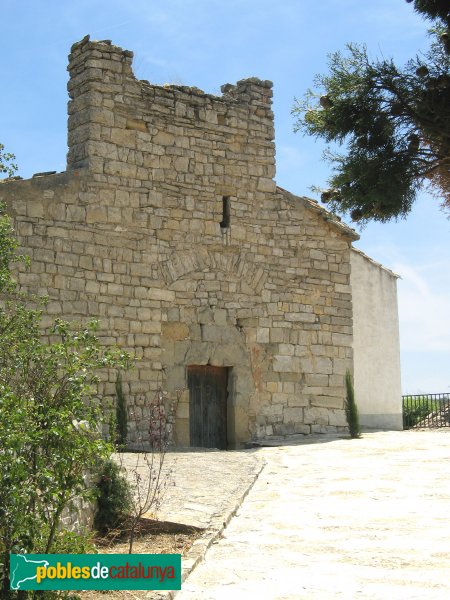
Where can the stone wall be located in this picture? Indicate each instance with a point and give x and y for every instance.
(131, 234)
(78, 516)
(376, 344)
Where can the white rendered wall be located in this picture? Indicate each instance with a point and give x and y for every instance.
(376, 344)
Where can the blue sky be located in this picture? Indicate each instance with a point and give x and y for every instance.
(207, 43)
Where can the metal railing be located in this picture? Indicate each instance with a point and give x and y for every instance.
(426, 411)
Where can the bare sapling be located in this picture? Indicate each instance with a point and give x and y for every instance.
(149, 477)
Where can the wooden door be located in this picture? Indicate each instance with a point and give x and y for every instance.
(208, 406)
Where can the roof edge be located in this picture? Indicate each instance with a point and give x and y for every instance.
(314, 206)
(376, 263)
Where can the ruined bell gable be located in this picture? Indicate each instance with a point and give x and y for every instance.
(168, 227)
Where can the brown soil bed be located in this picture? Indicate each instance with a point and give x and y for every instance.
(152, 537)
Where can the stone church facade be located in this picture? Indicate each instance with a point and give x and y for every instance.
(169, 228)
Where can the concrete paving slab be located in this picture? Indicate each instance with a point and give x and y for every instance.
(338, 518)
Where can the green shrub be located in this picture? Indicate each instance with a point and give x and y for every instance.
(49, 416)
(114, 498)
(121, 415)
(351, 409)
(71, 542)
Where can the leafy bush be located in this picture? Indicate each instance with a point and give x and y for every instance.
(71, 542)
(114, 498)
(49, 416)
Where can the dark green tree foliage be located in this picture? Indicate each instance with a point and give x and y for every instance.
(114, 498)
(431, 9)
(395, 124)
(121, 414)
(351, 409)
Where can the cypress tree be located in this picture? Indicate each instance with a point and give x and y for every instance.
(351, 409)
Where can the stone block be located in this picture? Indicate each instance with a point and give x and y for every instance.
(286, 349)
(205, 315)
(181, 434)
(272, 386)
(298, 400)
(182, 410)
(175, 353)
(56, 211)
(163, 138)
(86, 262)
(226, 355)
(336, 381)
(280, 398)
(181, 164)
(137, 125)
(337, 418)
(273, 410)
(341, 339)
(340, 366)
(342, 288)
(283, 428)
(316, 379)
(317, 254)
(142, 339)
(323, 365)
(262, 335)
(173, 314)
(211, 333)
(220, 316)
(266, 185)
(35, 209)
(316, 416)
(175, 331)
(154, 293)
(176, 378)
(96, 214)
(300, 317)
(240, 431)
(75, 213)
(198, 354)
(150, 326)
(293, 415)
(115, 214)
(327, 401)
(123, 137)
(283, 364)
(277, 334)
(306, 365)
(120, 169)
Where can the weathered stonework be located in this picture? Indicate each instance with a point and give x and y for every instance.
(131, 234)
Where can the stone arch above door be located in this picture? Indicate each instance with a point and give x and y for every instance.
(181, 264)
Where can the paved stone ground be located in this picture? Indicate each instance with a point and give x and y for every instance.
(200, 487)
(348, 519)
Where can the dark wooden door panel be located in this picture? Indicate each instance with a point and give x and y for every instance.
(208, 406)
